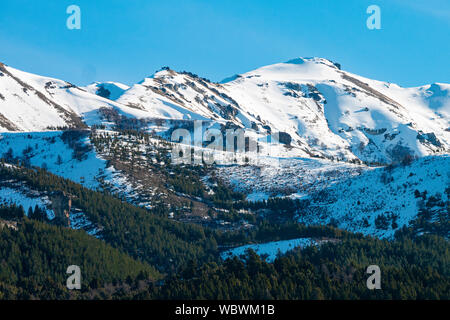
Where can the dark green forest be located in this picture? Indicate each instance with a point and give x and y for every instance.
(410, 269)
(34, 258)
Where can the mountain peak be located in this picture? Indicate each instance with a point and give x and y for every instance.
(302, 60)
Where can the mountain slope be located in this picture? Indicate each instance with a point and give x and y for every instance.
(110, 90)
(380, 201)
(168, 94)
(30, 102)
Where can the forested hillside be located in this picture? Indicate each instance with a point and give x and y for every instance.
(34, 257)
(411, 268)
(144, 235)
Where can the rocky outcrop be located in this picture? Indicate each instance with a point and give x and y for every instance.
(61, 205)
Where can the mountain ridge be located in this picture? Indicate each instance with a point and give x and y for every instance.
(323, 110)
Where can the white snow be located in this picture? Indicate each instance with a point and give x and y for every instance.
(286, 177)
(269, 249)
(25, 198)
(34, 103)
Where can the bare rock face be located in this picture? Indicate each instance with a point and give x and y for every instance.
(61, 205)
(8, 224)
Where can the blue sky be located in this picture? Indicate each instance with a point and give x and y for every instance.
(128, 40)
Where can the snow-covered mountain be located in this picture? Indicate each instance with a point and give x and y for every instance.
(334, 113)
(321, 110)
(324, 111)
(30, 102)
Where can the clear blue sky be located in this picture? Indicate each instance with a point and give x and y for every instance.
(127, 40)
